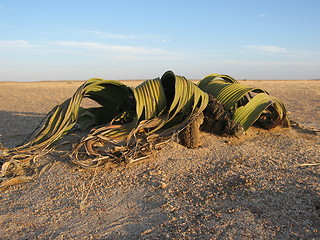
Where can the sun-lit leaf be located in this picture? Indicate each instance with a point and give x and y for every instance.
(109, 94)
(150, 99)
(246, 103)
(248, 114)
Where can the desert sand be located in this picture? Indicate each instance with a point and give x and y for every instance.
(264, 185)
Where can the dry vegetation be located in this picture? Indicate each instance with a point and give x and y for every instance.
(264, 185)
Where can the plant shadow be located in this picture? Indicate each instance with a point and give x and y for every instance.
(15, 127)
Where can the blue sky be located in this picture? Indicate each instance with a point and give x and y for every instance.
(78, 40)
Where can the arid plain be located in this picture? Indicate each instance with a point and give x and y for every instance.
(264, 185)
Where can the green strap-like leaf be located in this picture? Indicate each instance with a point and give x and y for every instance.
(111, 94)
(150, 99)
(187, 97)
(233, 93)
(248, 114)
(215, 77)
(227, 91)
(244, 102)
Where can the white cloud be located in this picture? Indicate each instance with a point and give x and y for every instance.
(108, 35)
(262, 15)
(163, 40)
(111, 35)
(15, 44)
(129, 50)
(267, 49)
(262, 69)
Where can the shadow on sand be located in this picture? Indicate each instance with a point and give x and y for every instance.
(15, 127)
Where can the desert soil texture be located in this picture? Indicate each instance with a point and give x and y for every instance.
(263, 185)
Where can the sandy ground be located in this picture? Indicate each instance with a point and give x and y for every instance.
(255, 187)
